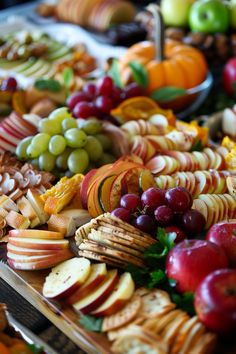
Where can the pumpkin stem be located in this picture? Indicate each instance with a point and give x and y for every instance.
(158, 31)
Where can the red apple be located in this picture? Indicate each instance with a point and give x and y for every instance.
(31, 252)
(37, 234)
(224, 235)
(84, 187)
(192, 260)
(66, 277)
(38, 244)
(229, 76)
(215, 301)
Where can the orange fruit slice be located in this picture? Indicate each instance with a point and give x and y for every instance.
(140, 107)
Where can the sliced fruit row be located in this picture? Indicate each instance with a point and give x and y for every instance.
(141, 127)
(215, 207)
(36, 249)
(198, 182)
(89, 288)
(102, 189)
(12, 130)
(174, 161)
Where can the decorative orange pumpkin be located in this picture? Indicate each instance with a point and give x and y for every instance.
(167, 64)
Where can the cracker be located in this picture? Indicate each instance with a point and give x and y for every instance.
(103, 250)
(101, 258)
(194, 335)
(182, 335)
(103, 239)
(142, 291)
(124, 316)
(155, 303)
(116, 333)
(206, 344)
(171, 330)
(165, 320)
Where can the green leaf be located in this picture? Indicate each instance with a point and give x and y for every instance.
(67, 76)
(166, 239)
(168, 93)
(184, 302)
(139, 73)
(91, 323)
(140, 276)
(172, 282)
(115, 73)
(157, 277)
(198, 146)
(35, 349)
(48, 84)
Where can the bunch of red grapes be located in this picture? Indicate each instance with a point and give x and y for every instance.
(157, 207)
(98, 99)
(9, 84)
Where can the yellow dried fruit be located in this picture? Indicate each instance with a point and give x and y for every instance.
(230, 160)
(228, 143)
(61, 194)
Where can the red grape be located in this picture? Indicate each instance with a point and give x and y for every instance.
(84, 110)
(105, 86)
(193, 222)
(76, 98)
(152, 198)
(133, 90)
(164, 215)
(179, 199)
(9, 84)
(180, 235)
(90, 89)
(122, 214)
(104, 104)
(145, 223)
(130, 201)
(116, 95)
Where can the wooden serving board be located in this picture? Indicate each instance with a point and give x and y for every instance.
(29, 285)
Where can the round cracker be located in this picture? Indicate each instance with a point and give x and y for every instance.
(156, 303)
(182, 335)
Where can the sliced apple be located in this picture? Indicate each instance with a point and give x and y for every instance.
(39, 244)
(118, 298)
(17, 221)
(42, 264)
(99, 295)
(36, 258)
(65, 278)
(97, 275)
(38, 234)
(31, 252)
(203, 160)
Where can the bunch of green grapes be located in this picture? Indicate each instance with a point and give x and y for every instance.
(66, 144)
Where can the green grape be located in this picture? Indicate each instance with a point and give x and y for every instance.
(75, 138)
(105, 159)
(61, 161)
(32, 151)
(93, 148)
(41, 141)
(92, 126)
(47, 161)
(57, 145)
(22, 147)
(49, 126)
(78, 161)
(105, 141)
(35, 163)
(60, 114)
(68, 123)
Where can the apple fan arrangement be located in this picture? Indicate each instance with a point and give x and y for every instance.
(131, 211)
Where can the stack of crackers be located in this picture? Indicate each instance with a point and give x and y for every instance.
(151, 323)
(109, 239)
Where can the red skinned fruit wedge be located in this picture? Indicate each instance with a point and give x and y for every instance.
(96, 297)
(96, 276)
(192, 260)
(65, 278)
(224, 235)
(38, 234)
(118, 298)
(38, 244)
(215, 301)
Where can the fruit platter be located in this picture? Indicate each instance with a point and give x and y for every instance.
(117, 218)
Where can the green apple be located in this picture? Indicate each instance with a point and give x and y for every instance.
(176, 12)
(209, 16)
(232, 5)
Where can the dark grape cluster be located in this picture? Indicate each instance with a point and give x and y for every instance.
(98, 99)
(156, 207)
(9, 84)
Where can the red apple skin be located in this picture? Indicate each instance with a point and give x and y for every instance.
(112, 309)
(97, 302)
(229, 76)
(215, 301)
(84, 187)
(224, 235)
(81, 293)
(192, 260)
